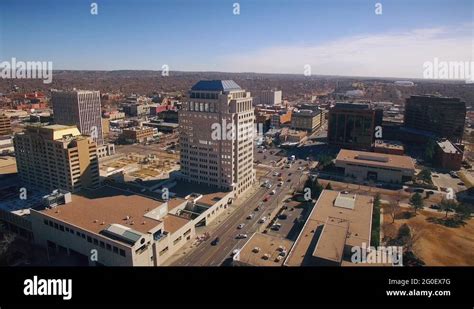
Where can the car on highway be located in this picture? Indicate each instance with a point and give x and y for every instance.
(262, 220)
(215, 241)
(240, 226)
(241, 236)
(249, 216)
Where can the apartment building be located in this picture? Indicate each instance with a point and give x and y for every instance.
(216, 136)
(56, 157)
(442, 116)
(5, 125)
(80, 108)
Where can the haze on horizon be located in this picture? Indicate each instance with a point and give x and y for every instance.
(345, 38)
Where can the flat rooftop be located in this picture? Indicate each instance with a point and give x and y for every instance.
(389, 144)
(448, 147)
(94, 210)
(375, 159)
(324, 231)
(264, 250)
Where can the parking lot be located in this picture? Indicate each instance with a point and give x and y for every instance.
(445, 180)
(291, 220)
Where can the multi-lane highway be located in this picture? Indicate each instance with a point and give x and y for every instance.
(207, 254)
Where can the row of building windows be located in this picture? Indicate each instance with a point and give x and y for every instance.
(89, 239)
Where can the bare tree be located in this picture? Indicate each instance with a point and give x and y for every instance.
(394, 209)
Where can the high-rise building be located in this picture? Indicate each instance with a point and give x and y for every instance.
(5, 125)
(268, 97)
(216, 135)
(56, 157)
(80, 108)
(442, 116)
(352, 125)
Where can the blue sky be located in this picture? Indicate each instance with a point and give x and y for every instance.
(267, 36)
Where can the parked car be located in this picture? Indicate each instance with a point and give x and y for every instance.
(240, 226)
(215, 241)
(241, 236)
(282, 216)
(262, 220)
(235, 252)
(249, 216)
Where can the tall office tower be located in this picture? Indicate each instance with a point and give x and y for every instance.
(440, 115)
(5, 125)
(352, 125)
(216, 136)
(80, 108)
(56, 157)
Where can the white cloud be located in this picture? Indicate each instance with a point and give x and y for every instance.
(393, 54)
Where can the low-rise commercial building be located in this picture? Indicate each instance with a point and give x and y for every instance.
(448, 155)
(138, 135)
(337, 223)
(389, 147)
(116, 226)
(363, 165)
(307, 120)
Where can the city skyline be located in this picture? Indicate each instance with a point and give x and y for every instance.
(348, 41)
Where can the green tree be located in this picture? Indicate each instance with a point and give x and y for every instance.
(429, 150)
(375, 233)
(315, 187)
(416, 201)
(447, 205)
(463, 212)
(425, 175)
